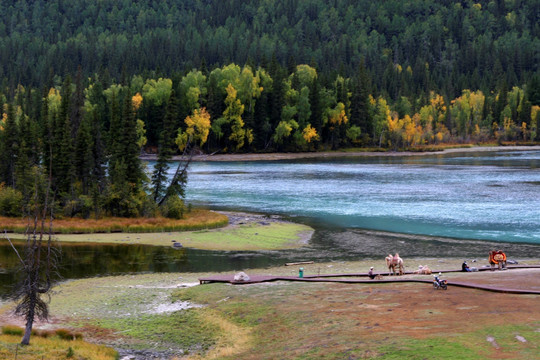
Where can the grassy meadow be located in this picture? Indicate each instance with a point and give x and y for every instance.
(205, 230)
(178, 319)
(273, 236)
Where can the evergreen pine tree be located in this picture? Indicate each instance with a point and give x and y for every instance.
(360, 101)
(500, 103)
(316, 119)
(524, 112)
(533, 90)
(84, 157)
(9, 148)
(65, 162)
(46, 133)
(76, 104)
(262, 129)
(130, 149)
(165, 149)
(115, 130)
(276, 98)
(98, 179)
(26, 158)
(125, 169)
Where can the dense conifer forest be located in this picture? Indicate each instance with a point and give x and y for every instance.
(87, 85)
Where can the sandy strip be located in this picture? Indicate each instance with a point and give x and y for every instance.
(334, 154)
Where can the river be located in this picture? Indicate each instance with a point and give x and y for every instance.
(458, 205)
(484, 196)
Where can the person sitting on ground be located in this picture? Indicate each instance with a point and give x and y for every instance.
(465, 267)
(371, 274)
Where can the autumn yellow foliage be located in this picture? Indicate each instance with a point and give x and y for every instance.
(198, 128)
(136, 100)
(310, 134)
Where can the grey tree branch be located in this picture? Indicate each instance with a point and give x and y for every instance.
(14, 248)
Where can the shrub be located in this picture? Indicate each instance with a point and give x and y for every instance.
(44, 333)
(12, 330)
(70, 208)
(64, 334)
(86, 205)
(149, 208)
(174, 208)
(10, 201)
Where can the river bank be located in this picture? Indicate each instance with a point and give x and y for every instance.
(243, 232)
(171, 316)
(340, 154)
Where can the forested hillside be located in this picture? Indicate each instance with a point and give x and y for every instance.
(86, 85)
(449, 45)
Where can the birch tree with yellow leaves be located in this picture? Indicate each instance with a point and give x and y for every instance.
(230, 125)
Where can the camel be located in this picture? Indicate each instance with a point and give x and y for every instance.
(423, 270)
(392, 262)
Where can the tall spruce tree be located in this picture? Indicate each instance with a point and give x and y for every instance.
(77, 103)
(129, 145)
(46, 133)
(98, 178)
(63, 169)
(84, 157)
(360, 100)
(500, 103)
(65, 161)
(165, 149)
(316, 118)
(125, 169)
(9, 147)
(27, 157)
(115, 130)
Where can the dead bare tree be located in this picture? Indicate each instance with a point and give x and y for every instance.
(38, 261)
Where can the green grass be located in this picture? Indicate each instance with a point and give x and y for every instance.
(240, 312)
(436, 349)
(274, 236)
(12, 330)
(184, 329)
